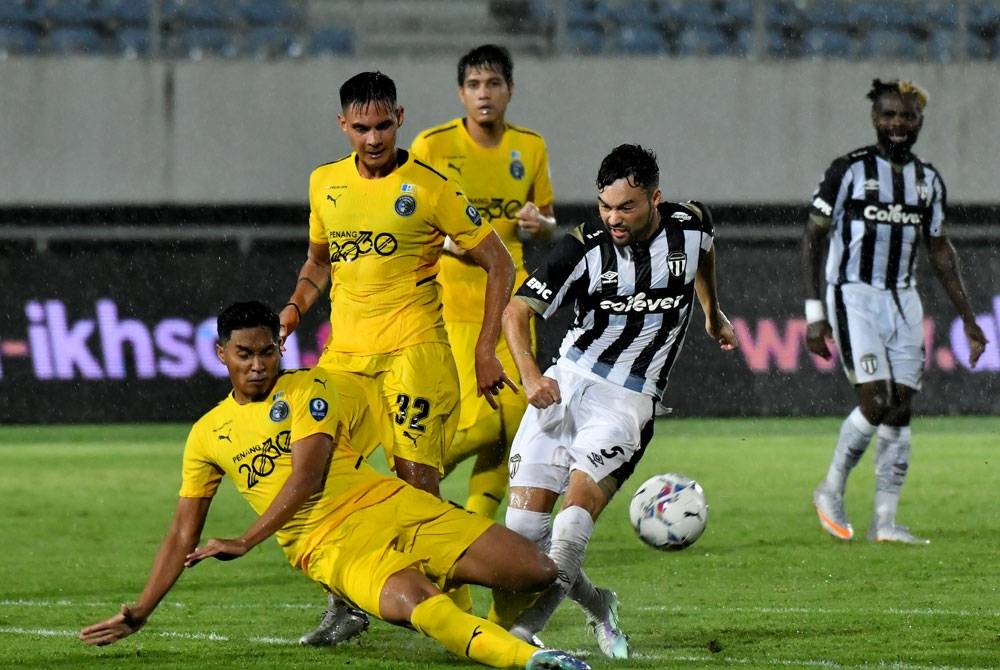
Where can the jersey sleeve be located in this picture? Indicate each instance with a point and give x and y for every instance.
(457, 218)
(317, 232)
(939, 203)
(560, 279)
(315, 408)
(200, 476)
(420, 149)
(541, 190)
(825, 195)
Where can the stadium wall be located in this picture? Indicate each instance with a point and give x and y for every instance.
(96, 331)
(94, 131)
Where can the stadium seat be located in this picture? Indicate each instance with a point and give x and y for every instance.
(784, 15)
(129, 13)
(873, 15)
(978, 47)
(78, 40)
(132, 42)
(331, 41)
(271, 13)
(272, 42)
(888, 44)
(638, 40)
(197, 43)
(584, 40)
(830, 15)
(25, 13)
(828, 42)
(200, 13)
(631, 13)
(76, 13)
(934, 17)
(698, 41)
(17, 40)
(783, 44)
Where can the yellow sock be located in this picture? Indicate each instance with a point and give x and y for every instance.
(462, 597)
(506, 606)
(466, 635)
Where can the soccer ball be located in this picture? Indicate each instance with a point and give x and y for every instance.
(669, 511)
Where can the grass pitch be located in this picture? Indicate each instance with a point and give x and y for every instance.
(84, 509)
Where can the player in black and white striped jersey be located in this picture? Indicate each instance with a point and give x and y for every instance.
(632, 280)
(876, 204)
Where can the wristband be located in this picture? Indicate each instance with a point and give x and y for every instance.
(814, 311)
(296, 307)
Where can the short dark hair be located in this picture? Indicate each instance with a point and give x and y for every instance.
(631, 162)
(900, 87)
(367, 88)
(487, 56)
(252, 314)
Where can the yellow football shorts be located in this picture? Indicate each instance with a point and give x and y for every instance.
(419, 389)
(410, 529)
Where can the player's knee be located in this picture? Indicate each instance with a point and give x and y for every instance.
(539, 574)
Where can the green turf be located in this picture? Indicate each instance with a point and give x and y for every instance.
(84, 509)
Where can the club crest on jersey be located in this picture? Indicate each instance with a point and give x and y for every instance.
(514, 462)
(677, 263)
(474, 216)
(869, 363)
(923, 191)
(279, 411)
(516, 166)
(318, 408)
(405, 205)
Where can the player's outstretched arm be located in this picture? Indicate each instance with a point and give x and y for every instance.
(313, 278)
(491, 255)
(537, 222)
(310, 459)
(189, 519)
(717, 325)
(944, 261)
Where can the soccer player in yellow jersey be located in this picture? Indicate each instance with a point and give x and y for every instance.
(377, 225)
(504, 171)
(371, 538)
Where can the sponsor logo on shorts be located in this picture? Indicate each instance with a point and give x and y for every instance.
(405, 205)
(868, 363)
(279, 411)
(318, 408)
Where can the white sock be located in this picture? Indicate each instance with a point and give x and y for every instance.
(855, 434)
(571, 530)
(584, 594)
(892, 461)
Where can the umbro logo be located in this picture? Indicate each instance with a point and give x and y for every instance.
(609, 277)
(871, 184)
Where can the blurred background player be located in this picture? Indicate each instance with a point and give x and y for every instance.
(632, 281)
(875, 204)
(371, 538)
(504, 171)
(377, 224)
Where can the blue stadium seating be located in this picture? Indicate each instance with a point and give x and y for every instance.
(76, 13)
(584, 40)
(272, 42)
(132, 42)
(200, 13)
(698, 41)
(872, 15)
(25, 13)
(17, 40)
(639, 40)
(129, 13)
(331, 41)
(197, 43)
(78, 40)
(271, 13)
(586, 13)
(889, 44)
(828, 42)
(830, 15)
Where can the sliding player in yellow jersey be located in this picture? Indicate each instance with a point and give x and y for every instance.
(504, 171)
(377, 225)
(370, 538)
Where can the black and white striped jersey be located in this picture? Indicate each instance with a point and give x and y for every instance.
(632, 304)
(878, 215)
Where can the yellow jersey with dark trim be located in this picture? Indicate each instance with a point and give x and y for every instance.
(385, 238)
(251, 444)
(498, 181)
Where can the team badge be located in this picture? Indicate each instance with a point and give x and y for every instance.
(318, 408)
(869, 363)
(677, 263)
(279, 411)
(513, 463)
(474, 215)
(405, 205)
(516, 169)
(923, 191)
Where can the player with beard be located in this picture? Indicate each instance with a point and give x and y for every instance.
(875, 204)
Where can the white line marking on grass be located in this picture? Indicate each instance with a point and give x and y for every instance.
(174, 635)
(924, 611)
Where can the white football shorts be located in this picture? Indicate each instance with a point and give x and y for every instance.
(880, 336)
(599, 427)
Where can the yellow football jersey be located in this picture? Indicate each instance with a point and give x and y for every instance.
(251, 444)
(385, 238)
(498, 181)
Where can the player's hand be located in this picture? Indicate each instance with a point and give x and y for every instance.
(111, 630)
(977, 341)
(217, 548)
(721, 330)
(531, 221)
(491, 378)
(542, 392)
(817, 334)
(288, 319)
